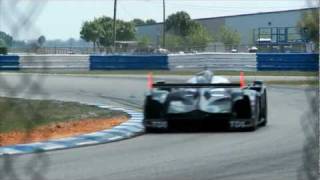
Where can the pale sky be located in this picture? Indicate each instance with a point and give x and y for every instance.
(62, 19)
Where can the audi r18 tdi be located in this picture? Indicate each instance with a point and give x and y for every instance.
(206, 98)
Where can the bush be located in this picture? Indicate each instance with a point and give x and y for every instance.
(174, 43)
(198, 39)
(3, 47)
(3, 50)
(229, 37)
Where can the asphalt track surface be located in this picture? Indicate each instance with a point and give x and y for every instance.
(274, 152)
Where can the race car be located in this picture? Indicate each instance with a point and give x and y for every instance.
(206, 99)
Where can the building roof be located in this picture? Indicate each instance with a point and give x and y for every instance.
(238, 15)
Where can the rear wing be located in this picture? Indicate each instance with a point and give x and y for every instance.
(191, 85)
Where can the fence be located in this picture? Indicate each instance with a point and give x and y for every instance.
(53, 50)
(125, 50)
(152, 48)
(215, 61)
(296, 61)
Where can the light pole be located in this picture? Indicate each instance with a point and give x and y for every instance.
(114, 24)
(164, 26)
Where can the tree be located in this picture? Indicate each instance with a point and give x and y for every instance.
(3, 47)
(19, 44)
(2, 43)
(100, 31)
(104, 31)
(150, 21)
(308, 25)
(143, 44)
(198, 38)
(71, 42)
(179, 23)
(229, 37)
(143, 41)
(125, 31)
(138, 22)
(185, 33)
(41, 40)
(34, 46)
(90, 32)
(6, 38)
(174, 42)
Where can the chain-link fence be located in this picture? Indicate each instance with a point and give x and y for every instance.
(151, 49)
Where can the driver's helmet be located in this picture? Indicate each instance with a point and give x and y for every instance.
(205, 76)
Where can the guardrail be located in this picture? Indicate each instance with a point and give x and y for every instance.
(215, 61)
(72, 62)
(285, 62)
(128, 62)
(9, 62)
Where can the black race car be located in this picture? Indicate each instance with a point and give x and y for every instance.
(206, 98)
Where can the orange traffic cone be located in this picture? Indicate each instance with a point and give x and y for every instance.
(150, 81)
(242, 82)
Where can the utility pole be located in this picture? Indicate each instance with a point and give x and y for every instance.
(114, 24)
(164, 26)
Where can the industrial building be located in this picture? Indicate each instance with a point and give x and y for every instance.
(248, 25)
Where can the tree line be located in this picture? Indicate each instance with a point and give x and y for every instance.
(182, 33)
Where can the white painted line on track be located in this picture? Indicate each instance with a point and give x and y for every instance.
(96, 134)
(64, 139)
(87, 143)
(52, 147)
(115, 138)
(9, 151)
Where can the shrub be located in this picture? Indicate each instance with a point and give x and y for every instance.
(3, 47)
(3, 50)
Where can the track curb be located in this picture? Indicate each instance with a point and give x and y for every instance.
(132, 127)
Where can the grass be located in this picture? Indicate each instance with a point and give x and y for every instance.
(178, 72)
(24, 115)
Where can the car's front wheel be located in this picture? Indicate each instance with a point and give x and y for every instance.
(256, 119)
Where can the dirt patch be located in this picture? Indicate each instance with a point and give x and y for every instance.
(60, 130)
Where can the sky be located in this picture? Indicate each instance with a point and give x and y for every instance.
(62, 19)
